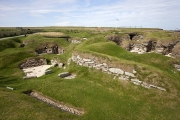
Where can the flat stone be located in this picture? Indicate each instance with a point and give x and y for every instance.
(29, 77)
(129, 74)
(99, 65)
(10, 88)
(116, 71)
(136, 81)
(87, 60)
(48, 72)
(85, 64)
(145, 85)
(162, 89)
(70, 77)
(90, 62)
(64, 74)
(124, 78)
(134, 71)
(153, 86)
(60, 65)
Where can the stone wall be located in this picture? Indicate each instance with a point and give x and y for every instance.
(117, 72)
(56, 104)
(33, 62)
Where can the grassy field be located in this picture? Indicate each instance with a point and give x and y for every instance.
(101, 96)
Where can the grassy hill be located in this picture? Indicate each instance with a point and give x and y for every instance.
(101, 96)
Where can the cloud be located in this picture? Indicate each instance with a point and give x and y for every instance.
(155, 13)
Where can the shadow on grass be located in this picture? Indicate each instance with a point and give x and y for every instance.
(6, 81)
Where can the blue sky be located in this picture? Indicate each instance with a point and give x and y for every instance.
(163, 14)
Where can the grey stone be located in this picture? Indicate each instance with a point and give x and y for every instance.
(60, 65)
(137, 81)
(124, 78)
(85, 64)
(162, 89)
(159, 50)
(129, 74)
(145, 85)
(10, 88)
(90, 62)
(99, 65)
(134, 71)
(116, 71)
(75, 41)
(64, 74)
(71, 76)
(87, 60)
(153, 86)
(69, 61)
(54, 63)
(29, 77)
(177, 67)
(48, 72)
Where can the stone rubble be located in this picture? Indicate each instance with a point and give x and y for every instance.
(117, 72)
(34, 62)
(56, 104)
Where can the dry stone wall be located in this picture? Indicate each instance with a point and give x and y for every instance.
(56, 104)
(115, 71)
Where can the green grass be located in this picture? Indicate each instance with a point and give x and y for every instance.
(101, 96)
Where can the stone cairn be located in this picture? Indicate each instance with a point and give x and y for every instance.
(56, 104)
(117, 72)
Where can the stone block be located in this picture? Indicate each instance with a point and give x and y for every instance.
(85, 64)
(29, 77)
(64, 74)
(87, 60)
(116, 71)
(145, 85)
(137, 81)
(134, 71)
(60, 65)
(160, 88)
(153, 86)
(124, 78)
(129, 74)
(10, 88)
(48, 72)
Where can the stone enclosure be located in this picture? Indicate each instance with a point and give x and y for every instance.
(50, 48)
(117, 72)
(60, 105)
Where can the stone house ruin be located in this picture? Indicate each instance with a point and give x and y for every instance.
(50, 49)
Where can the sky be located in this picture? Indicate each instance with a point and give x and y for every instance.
(163, 14)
